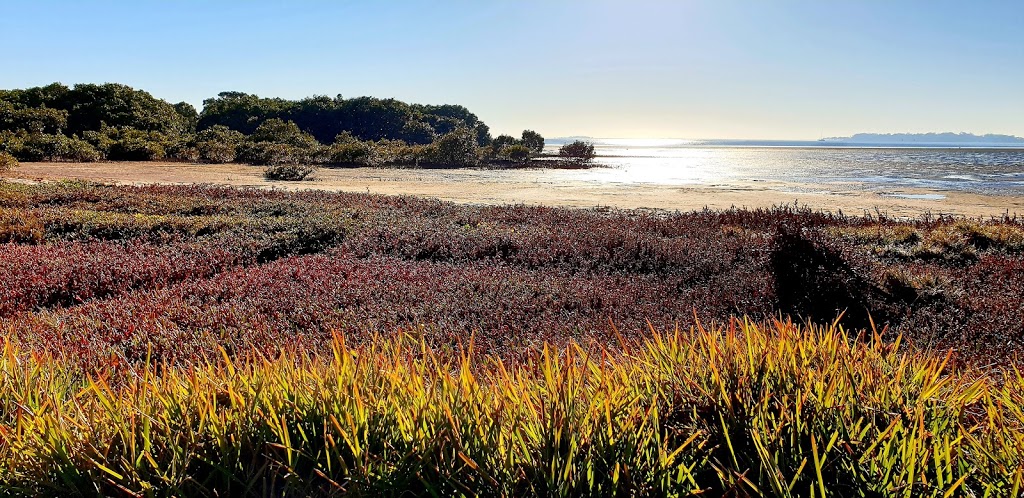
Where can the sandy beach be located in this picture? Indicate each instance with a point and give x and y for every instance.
(569, 188)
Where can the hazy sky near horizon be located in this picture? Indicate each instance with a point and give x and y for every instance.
(683, 69)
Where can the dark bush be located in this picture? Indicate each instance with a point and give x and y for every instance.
(183, 151)
(136, 148)
(46, 147)
(578, 151)
(31, 120)
(457, 148)
(517, 153)
(216, 152)
(399, 153)
(502, 141)
(350, 153)
(283, 132)
(533, 141)
(218, 144)
(269, 153)
(288, 172)
(100, 140)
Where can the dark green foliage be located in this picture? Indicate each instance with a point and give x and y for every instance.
(457, 148)
(136, 145)
(111, 121)
(91, 111)
(283, 132)
(221, 134)
(268, 153)
(46, 147)
(533, 141)
(417, 132)
(517, 153)
(131, 144)
(349, 150)
(280, 142)
(578, 151)
(496, 150)
(81, 151)
(182, 150)
(40, 96)
(456, 113)
(483, 134)
(136, 149)
(188, 114)
(288, 172)
(32, 119)
(100, 140)
(117, 105)
(218, 144)
(502, 141)
(366, 118)
(240, 111)
(12, 142)
(399, 153)
(374, 119)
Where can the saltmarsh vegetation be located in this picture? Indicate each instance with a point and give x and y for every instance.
(196, 340)
(741, 410)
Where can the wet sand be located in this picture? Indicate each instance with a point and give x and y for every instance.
(569, 188)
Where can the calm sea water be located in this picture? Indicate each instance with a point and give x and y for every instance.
(989, 170)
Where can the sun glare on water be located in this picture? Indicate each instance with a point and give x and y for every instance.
(658, 161)
(644, 142)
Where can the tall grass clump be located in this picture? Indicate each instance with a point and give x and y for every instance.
(746, 409)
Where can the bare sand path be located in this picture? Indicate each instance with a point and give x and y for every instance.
(539, 186)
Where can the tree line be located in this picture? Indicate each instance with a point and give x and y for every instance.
(92, 122)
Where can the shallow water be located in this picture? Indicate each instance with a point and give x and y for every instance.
(885, 170)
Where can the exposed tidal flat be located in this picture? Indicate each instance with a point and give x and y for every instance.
(900, 181)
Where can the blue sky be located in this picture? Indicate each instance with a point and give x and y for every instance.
(683, 69)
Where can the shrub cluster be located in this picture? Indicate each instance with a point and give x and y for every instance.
(578, 152)
(116, 122)
(288, 172)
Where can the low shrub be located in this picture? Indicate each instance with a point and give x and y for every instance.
(216, 152)
(182, 151)
(19, 227)
(288, 172)
(578, 151)
(517, 153)
(45, 147)
(267, 153)
(350, 153)
(7, 162)
(136, 149)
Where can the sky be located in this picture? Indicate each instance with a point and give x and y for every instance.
(633, 69)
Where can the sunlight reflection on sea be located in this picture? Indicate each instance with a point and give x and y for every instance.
(681, 162)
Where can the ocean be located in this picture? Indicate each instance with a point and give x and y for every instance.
(878, 168)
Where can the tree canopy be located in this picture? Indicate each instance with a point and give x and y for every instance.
(89, 122)
(366, 118)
